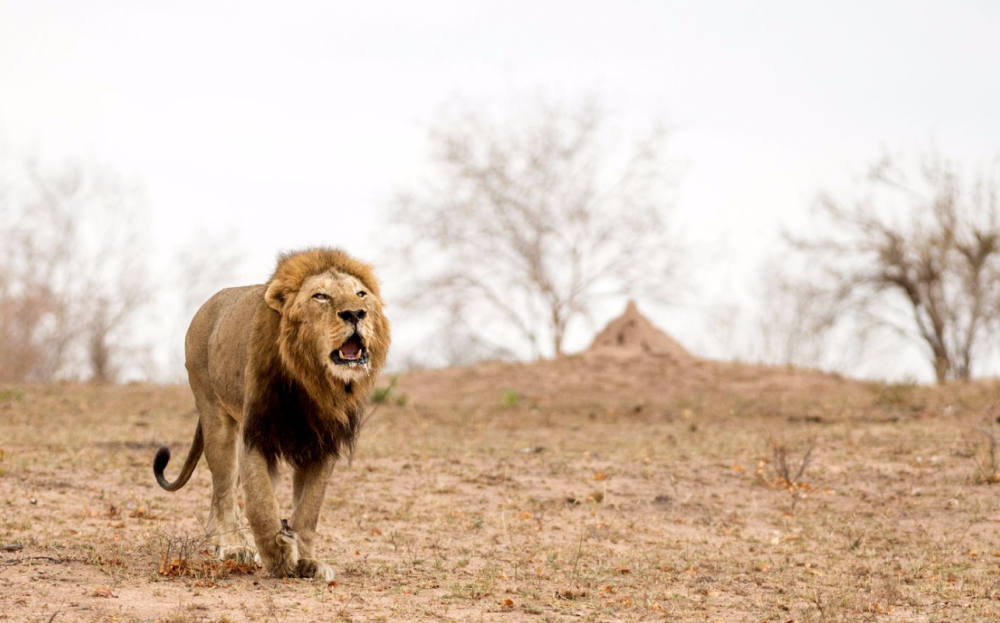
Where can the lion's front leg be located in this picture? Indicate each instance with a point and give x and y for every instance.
(309, 489)
(275, 539)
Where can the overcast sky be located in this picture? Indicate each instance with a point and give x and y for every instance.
(293, 125)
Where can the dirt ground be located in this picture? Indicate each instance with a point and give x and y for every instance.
(603, 487)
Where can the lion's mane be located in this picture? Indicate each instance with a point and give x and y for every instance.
(293, 412)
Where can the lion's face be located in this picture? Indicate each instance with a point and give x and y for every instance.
(337, 316)
(332, 333)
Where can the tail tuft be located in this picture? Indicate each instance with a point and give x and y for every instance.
(161, 460)
(160, 464)
(163, 457)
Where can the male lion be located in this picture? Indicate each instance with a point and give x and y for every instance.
(281, 371)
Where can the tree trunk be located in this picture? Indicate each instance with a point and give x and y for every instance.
(99, 348)
(941, 368)
(558, 331)
(100, 359)
(557, 340)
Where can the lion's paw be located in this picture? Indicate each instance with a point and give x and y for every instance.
(284, 559)
(241, 555)
(311, 568)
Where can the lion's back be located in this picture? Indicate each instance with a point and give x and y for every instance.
(216, 343)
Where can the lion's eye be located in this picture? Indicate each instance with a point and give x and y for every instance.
(319, 296)
(362, 294)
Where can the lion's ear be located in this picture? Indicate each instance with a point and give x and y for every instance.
(276, 295)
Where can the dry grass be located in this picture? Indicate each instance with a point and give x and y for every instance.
(670, 505)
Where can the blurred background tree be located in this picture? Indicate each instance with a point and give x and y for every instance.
(918, 254)
(527, 222)
(73, 272)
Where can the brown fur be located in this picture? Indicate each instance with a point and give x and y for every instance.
(259, 362)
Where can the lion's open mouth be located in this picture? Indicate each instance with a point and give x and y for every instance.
(351, 353)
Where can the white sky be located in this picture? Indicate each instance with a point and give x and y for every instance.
(315, 111)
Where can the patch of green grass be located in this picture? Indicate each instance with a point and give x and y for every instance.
(387, 394)
(11, 395)
(509, 398)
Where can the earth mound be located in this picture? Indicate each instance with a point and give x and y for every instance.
(630, 362)
(633, 334)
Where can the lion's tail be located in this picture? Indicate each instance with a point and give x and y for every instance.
(163, 457)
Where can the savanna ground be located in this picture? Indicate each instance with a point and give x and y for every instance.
(603, 490)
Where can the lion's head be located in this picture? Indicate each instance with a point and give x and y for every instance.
(332, 323)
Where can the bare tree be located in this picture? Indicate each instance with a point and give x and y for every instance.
(528, 222)
(74, 273)
(919, 253)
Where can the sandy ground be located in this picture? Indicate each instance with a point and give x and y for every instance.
(604, 487)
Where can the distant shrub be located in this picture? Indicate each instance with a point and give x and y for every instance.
(387, 394)
(788, 472)
(380, 395)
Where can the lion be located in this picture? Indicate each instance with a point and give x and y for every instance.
(280, 373)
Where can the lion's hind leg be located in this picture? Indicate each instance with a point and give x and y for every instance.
(221, 435)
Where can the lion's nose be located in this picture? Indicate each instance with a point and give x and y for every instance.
(352, 315)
